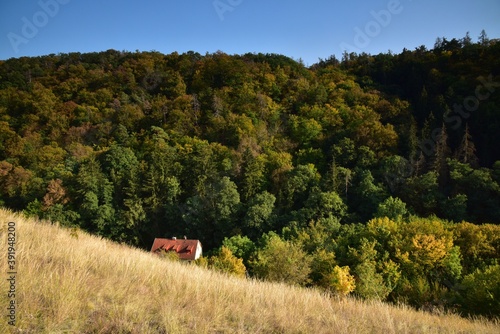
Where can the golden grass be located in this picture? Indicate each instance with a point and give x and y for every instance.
(84, 284)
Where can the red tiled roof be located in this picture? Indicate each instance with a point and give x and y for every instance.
(186, 249)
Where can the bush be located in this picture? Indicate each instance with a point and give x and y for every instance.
(370, 283)
(482, 292)
(169, 255)
(282, 261)
(226, 262)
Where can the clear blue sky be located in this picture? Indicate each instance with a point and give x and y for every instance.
(300, 29)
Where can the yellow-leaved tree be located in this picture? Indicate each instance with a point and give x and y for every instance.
(340, 281)
(423, 245)
(226, 262)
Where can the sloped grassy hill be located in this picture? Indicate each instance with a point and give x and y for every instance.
(71, 282)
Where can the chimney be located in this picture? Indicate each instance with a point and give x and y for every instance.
(174, 238)
(185, 238)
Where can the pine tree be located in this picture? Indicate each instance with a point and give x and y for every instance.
(419, 165)
(196, 108)
(217, 105)
(466, 153)
(467, 40)
(412, 140)
(483, 38)
(441, 153)
(429, 124)
(438, 43)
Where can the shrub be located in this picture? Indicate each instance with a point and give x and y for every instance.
(169, 255)
(282, 261)
(226, 262)
(482, 291)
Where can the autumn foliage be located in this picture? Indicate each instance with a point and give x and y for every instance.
(357, 176)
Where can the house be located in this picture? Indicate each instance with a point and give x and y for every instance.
(186, 249)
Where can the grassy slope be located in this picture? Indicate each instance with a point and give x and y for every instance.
(83, 284)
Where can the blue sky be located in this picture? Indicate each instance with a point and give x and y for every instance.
(306, 30)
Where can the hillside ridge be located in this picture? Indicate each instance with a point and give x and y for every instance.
(70, 281)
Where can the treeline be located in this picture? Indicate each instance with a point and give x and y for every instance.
(428, 263)
(133, 146)
(455, 83)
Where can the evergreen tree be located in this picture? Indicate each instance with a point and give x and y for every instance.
(466, 152)
(467, 40)
(441, 154)
(483, 38)
(210, 216)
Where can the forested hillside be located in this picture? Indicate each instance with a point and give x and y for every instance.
(373, 175)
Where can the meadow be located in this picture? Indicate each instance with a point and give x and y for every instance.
(69, 281)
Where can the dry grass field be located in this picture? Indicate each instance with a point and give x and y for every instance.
(72, 282)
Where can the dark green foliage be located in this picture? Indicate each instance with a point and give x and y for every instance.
(211, 216)
(321, 206)
(241, 246)
(422, 193)
(392, 208)
(260, 214)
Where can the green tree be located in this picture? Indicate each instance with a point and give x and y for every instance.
(161, 187)
(241, 246)
(392, 208)
(322, 205)
(422, 193)
(122, 166)
(322, 265)
(370, 283)
(480, 189)
(482, 291)
(317, 235)
(304, 130)
(253, 174)
(395, 170)
(281, 261)
(61, 214)
(260, 214)
(94, 198)
(279, 166)
(367, 195)
(300, 182)
(453, 264)
(455, 208)
(211, 216)
(344, 152)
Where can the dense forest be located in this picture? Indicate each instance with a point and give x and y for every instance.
(377, 176)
